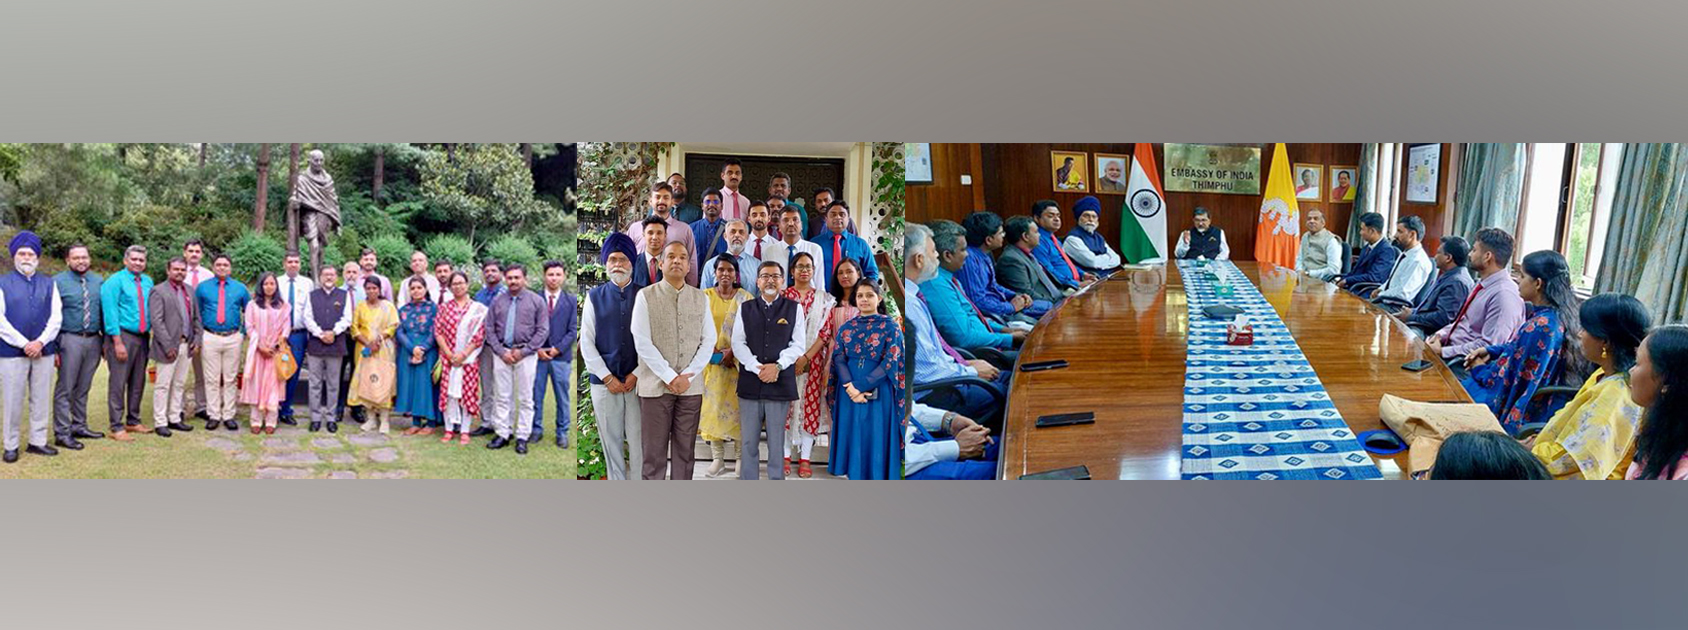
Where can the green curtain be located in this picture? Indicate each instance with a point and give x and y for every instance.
(1645, 242)
(1362, 195)
(1491, 182)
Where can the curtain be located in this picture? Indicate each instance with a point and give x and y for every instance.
(1363, 195)
(1645, 244)
(1491, 182)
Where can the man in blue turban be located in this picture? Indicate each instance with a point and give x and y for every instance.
(29, 331)
(1089, 250)
(606, 347)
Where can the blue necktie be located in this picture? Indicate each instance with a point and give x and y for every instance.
(510, 324)
(292, 315)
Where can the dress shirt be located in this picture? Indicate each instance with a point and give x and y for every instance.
(772, 250)
(652, 358)
(678, 232)
(296, 291)
(931, 363)
(709, 239)
(956, 318)
(734, 205)
(526, 331)
(852, 247)
(1493, 314)
(55, 316)
(486, 294)
(919, 456)
(80, 295)
(344, 323)
(788, 356)
(978, 279)
(788, 251)
(120, 306)
(235, 297)
(1412, 270)
(747, 270)
(196, 275)
(386, 285)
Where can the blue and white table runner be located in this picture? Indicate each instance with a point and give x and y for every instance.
(1256, 412)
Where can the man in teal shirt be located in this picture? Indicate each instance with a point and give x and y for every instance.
(123, 306)
(221, 301)
(955, 316)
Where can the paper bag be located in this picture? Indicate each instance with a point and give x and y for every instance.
(1423, 426)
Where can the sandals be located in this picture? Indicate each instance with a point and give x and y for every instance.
(804, 470)
(413, 430)
(448, 437)
(788, 466)
(257, 429)
(424, 430)
(463, 438)
(269, 430)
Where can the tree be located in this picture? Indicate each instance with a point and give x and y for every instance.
(292, 213)
(261, 202)
(485, 185)
(380, 173)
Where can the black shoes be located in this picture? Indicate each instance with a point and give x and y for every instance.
(202, 415)
(163, 431)
(483, 430)
(181, 426)
(333, 427)
(498, 443)
(288, 420)
(521, 447)
(230, 425)
(43, 450)
(210, 425)
(11, 457)
(563, 441)
(68, 442)
(315, 426)
(86, 434)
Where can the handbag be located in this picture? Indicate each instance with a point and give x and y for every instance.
(285, 364)
(375, 380)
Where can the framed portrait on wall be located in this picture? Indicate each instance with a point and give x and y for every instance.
(917, 162)
(1309, 181)
(1112, 169)
(1341, 183)
(1068, 171)
(1423, 171)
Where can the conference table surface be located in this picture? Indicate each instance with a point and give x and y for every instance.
(1124, 340)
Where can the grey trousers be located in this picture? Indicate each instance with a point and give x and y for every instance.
(323, 397)
(127, 380)
(79, 358)
(20, 378)
(618, 421)
(754, 415)
(670, 435)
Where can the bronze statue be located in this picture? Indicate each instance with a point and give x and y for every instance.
(318, 208)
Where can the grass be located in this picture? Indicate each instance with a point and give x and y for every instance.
(187, 455)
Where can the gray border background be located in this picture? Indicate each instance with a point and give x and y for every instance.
(459, 554)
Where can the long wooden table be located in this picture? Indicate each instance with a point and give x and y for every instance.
(1124, 339)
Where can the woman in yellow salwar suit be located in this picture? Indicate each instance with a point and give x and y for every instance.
(373, 325)
(1593, 437)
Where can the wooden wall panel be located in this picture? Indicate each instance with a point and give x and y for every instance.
(946, 196)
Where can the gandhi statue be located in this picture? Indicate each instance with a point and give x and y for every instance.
(318, 207)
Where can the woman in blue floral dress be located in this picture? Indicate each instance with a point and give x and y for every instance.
(1506, 376)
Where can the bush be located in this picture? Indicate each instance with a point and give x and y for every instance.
(393, 255)
(254, 253)
(514, 249)
(453, 249)
(160, 228)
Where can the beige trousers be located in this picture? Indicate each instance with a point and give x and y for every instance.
(221, 355)
(168, 388)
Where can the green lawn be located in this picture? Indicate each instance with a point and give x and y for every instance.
(192, 455)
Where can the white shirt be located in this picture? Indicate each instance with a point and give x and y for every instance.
(1081, 254)
(296, 291)
(1412, 270)
(1333, 260)
(651, 357)
(339, 326)
(788, 356)
(918, 456)
(403, 290)
(772, 249)
(1224, 247)
(55, 317)
(196, 275)
(784, 255)
(589, 346)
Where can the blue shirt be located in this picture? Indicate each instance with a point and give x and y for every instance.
(235, 297)
(484, 296)
(956, 318)
(931, 363)
(978, 279)
(120, 306)
(747, 266)
(79, 296)
(706, 236)
(1048, 254)
(854, 248)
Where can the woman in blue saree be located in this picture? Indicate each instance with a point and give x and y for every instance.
(867, 396)
(417, 354)
(1506, 376)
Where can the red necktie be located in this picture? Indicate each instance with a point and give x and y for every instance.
(222, 286)
(141, 301)
(1468, 300)
(759, 249)
(653, 270)
(837, 255)
(553, 303)
(1070, 266)
(735, 204)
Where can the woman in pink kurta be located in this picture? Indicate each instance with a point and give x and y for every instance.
(267, 325)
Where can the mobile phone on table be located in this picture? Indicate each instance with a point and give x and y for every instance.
(1038, 366)
(1417, 366)
(1065, 419)
(1074, 472)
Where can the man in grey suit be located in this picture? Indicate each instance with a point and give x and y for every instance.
(174, 322)
(1017, 270)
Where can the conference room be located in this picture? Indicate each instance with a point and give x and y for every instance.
(1296, 310)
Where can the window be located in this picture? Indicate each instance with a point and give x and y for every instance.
(1542, 197)
(1567, 202)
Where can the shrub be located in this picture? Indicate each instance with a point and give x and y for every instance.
(393, 255)
(160, 228)
(451, 248)
(514, 249)
(254, 253)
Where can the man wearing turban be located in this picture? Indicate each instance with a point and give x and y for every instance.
(29, 331)
(606, 346)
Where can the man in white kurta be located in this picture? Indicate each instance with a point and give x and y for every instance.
(30, 314)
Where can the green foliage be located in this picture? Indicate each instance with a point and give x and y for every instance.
(487, 184)
(590, 449)
(11, 161)
(160, 229)
(452, 248)
(254, 253)
(392, 253)
(514, 249)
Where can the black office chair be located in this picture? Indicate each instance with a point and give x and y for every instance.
(989, 355)
(999, 399)
(1555, 397)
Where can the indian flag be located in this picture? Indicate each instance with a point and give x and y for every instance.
(1278, 233)
(1142, 230)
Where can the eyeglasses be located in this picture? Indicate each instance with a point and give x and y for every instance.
(770, 276)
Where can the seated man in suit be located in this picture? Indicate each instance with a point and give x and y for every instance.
(1412, 268)
(1321, 252)
(1204, 241)
(1017, 268)
(1088, 249)
(1048, 253)
(936, 360)
(978, 274)
(1453, 285)
(1377, 258)
(958, 320)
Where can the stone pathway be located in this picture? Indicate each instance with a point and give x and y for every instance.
(295, 453)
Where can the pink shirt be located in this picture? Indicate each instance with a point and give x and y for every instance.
(678, 232)
(1492, 317)
(734, 205)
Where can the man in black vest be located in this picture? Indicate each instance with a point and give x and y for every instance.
(1205, 241)
(767, 339)
(325, 350)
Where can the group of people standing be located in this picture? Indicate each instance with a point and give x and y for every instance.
(364, 356)
(734, 328)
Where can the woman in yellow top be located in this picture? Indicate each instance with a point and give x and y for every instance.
(1593, 437)
(720, 420)
(373, 325)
